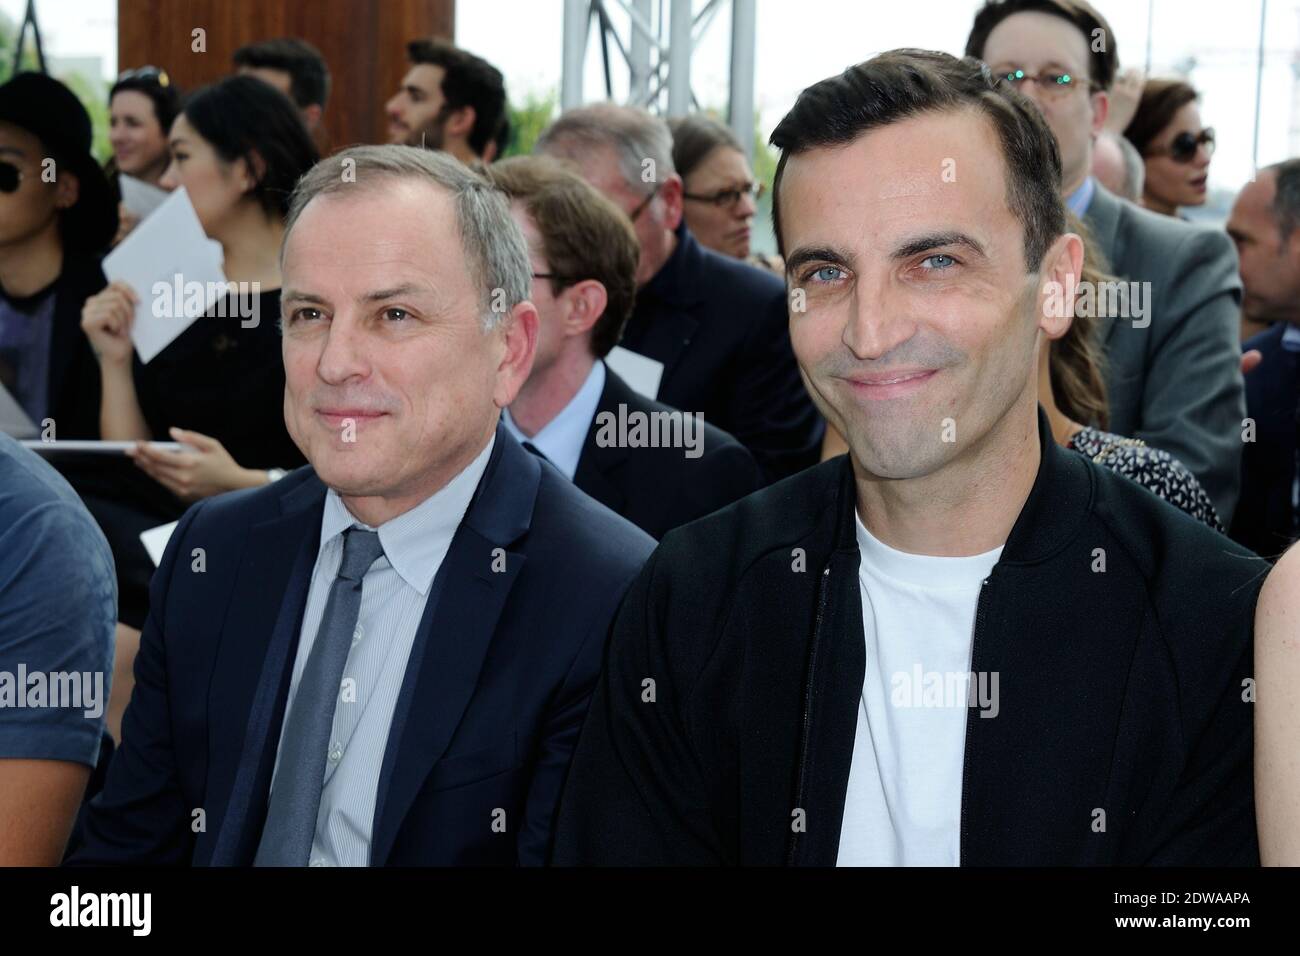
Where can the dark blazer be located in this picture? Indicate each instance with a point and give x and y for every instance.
(658, 489)
(720, 328)
(74, 370)
(1176, 383)
(497, 685)
(1119, 690)
(1265, 520)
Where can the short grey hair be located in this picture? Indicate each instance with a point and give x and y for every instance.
(1286, 204)
(495, 250)
(1135, 169)
(632, 133)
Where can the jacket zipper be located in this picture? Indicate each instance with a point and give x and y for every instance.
(822, 592)
(965, 757)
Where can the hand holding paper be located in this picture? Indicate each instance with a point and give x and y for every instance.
(169, 250)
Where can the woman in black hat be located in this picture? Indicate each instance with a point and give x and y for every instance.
(238, 147)
(57, 215)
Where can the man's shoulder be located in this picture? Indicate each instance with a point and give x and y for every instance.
(713, 439)
(780, 516)
(580, 531)
(1179, 556)
(724, 277)
(234, 511)
(1159, 242)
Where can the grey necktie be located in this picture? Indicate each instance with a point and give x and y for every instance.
(295, 796)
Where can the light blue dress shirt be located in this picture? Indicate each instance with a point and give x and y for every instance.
(393, 596)
(1079, 200)
(561, 439)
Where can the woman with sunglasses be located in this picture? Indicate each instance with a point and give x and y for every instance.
(720, 195)
(1176, 148)
(141, 107)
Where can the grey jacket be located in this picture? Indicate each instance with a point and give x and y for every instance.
(1173, 375)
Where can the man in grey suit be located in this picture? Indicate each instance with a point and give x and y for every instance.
(1172, 372)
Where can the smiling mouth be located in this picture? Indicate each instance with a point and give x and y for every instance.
(891, 386)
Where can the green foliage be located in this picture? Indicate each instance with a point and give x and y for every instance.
(528, 121)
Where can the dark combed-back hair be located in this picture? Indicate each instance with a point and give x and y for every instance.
(467, 80)
(1103, 60)
(1161, 99)
(166, 98)
(694, 137)
(309, 77)
(241, 116)
(584, 235)
(1286, 204)
(901, 84)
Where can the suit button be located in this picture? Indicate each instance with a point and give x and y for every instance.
(336, 752)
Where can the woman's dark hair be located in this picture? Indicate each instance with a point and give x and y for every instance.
(154, 84)
(900, 84)
(1161, 100)
(241, 117)
(694, 137)
(1075, 361)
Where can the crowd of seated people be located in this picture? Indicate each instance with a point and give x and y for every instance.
(476, 445)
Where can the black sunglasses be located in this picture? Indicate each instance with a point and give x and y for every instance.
(10, 177)
(1185, 144)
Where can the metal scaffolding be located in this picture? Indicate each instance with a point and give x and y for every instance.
(658, 61)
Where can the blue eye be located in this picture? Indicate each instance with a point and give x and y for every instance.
(943, 260)
(819, 274)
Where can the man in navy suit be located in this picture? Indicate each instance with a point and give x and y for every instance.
(718, 326)
(384, 657)
(1265, 225)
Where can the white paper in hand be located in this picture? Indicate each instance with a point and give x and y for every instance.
(13, 420)
(139, 197)
(162, 259)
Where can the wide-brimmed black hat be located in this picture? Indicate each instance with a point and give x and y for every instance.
(50, 111)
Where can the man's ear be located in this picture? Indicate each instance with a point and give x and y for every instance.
(1100, 110)
(670, 194)
(1061, 272)
(586, 304)
(519, 331)
(311, 114)
(460, 122)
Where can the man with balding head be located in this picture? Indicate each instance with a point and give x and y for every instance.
(384, 657)
(717, 326)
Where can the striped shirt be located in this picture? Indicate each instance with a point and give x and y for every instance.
(393, 596)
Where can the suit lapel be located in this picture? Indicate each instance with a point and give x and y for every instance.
(599, 466)
(279, 557)
(465, 603)
(1103, 221)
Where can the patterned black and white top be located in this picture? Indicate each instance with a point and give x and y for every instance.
(1152, 468)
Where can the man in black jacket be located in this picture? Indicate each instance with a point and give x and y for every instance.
(961, 644)
(657, 466)
(716, 325)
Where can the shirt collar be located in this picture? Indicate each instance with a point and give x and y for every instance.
(1081, 198)
(561, 439)
(415, 541)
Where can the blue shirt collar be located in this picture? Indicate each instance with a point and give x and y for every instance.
(1291, 338)
(415, 540)
(561, 439)
(1079, 200)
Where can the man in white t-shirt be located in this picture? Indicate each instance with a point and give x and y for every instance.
(961, 644)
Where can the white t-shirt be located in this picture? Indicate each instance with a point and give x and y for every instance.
(903, 806)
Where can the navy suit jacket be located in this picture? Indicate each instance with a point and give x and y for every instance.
(504, 663)
(1264, 518)
(721, 329)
